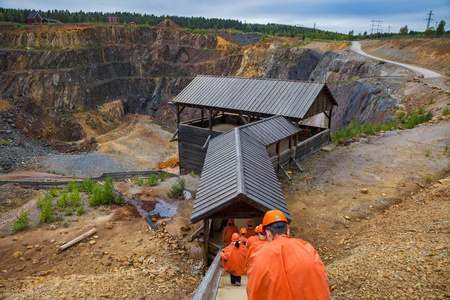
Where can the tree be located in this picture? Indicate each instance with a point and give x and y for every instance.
(404, 30)
(440, 29)
(350, 35)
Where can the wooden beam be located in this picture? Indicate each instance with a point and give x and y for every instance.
(174, 135)
(283, 171)
(329, 119)
(206, 242)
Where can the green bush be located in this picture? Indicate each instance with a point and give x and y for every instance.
(69, 211)
(22, 222)
(63, 199)
(47, 215)
(177, 189)
(163, 176)
(75, 199)
(80, 210)
(152, 180)
(72, 186)
(140, 182)
(87, 185)
(446, 111)
(105, 194)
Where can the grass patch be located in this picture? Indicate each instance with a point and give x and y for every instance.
(406, 120)
(446, 111)
(428, 179)
(4, 142)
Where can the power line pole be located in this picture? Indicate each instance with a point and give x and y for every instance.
(376, 26)
(389, 29)
(429, 19)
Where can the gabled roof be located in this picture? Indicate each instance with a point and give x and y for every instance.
(237, 168)
(270, 130)
(265, 96)
(33, 15)
(51, 20)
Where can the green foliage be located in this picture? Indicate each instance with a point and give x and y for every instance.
(152, 180)
(446, 111)
(63, 199)
(163, 176)
(428, 179)
(87, 185)
(441, 28)
(72, 186)
(47, 215)
(354, 129)
(140, 182)
(4, 142)
(414, 118)
(66, 224)
(69, 211)
(80, 210)
(22, 222)
(177, 189)
(75, 199)
(105, 194)
(403, 30)
(192, 174)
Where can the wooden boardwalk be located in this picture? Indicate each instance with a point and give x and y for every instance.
(228, 291)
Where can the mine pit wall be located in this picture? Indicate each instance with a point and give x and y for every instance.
(357, 99)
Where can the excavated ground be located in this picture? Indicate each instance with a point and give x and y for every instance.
(388, 243)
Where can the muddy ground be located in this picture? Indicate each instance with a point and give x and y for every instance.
(391, 242)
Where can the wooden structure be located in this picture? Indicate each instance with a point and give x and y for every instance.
(48, 20)
(228, 102)
(112, 19)
(134, 23)
(34, 18)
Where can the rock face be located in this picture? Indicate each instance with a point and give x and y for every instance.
(55, 72)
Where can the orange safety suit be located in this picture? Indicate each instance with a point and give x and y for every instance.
(228, 233)
(243, 239)
(233, 259)
(250, 232)
(253, 250)
(288, 269)
(251, 240)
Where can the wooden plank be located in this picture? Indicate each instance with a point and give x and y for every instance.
(208, 287)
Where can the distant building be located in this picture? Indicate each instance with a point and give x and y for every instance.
(48, 20)
(112, 19)
(134, 23)
(34, 18)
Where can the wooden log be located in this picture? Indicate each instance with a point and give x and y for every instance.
(76, 240)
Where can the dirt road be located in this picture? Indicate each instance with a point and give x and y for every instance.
(356, 47)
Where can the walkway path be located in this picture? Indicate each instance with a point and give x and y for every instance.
(356, 47)
(228, 291)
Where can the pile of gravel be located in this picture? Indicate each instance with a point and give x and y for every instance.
(80, 165)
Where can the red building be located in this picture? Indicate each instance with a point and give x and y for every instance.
(34, 18)
(112, 19)
(134, 23)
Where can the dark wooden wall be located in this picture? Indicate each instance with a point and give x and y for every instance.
(190, 142)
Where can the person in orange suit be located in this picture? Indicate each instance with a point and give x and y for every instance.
(233, 259)
(250, 230)
(253, 238)
(242, 238)
(285, 268)
(228, 231)
(254, 246)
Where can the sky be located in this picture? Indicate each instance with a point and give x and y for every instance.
(332, 15)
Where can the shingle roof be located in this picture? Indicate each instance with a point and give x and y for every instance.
(237, 166)
(264, 96)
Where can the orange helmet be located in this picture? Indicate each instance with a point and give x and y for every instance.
(273, 216)
(243, 230)
(235, 237)
(230, 221)
(250, 223)
(258, 229)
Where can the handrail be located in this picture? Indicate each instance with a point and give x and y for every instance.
(210, 283)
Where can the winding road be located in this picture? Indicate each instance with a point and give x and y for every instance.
(356, 47)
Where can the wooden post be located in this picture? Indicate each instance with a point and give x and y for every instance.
(203, 117)
(290, 150)
(329, 119)
(206, 238)
(210, 121)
